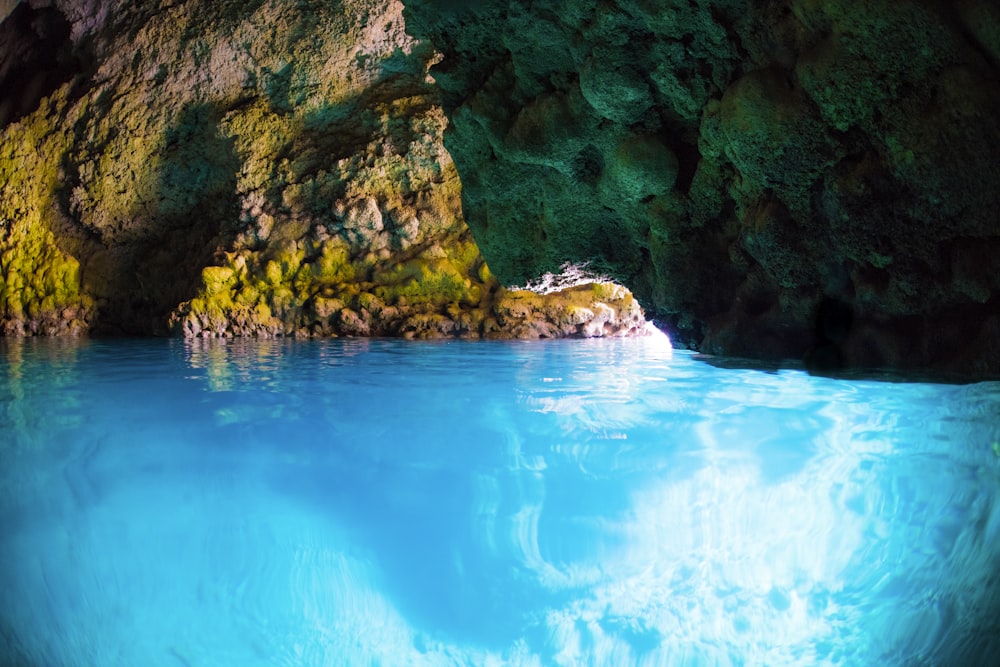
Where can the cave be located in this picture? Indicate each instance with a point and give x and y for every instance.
(510, 332)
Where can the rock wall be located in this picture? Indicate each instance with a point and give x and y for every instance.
(242, 169)
(790, 178)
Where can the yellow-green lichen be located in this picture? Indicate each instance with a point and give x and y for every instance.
(431, 282)
(39, 282)
(333, 266)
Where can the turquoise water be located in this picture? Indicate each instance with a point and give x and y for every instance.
(602, 502)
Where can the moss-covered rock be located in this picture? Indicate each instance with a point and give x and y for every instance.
(739, 165)
(231, 169)
(39, 281)
(586, 311)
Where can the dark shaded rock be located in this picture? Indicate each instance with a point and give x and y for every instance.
(37, 58)
(742, 167)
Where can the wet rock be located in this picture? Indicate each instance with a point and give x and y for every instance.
(585, 311)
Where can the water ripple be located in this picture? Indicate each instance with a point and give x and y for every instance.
(563, 503)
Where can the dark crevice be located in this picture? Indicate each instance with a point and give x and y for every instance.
(36, 59)
(687, 164)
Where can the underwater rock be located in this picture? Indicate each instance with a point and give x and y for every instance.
(740, 166)
(233, 169)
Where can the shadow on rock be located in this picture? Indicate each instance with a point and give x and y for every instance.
(141, 260)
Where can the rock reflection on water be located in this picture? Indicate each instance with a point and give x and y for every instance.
(569, 502)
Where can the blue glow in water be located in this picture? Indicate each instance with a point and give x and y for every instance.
(597, 502)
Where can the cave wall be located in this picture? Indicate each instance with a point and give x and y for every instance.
(263, 168)
(783, 179)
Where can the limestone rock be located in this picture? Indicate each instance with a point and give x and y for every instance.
(230, 169)
(741, 166)
(586, 311)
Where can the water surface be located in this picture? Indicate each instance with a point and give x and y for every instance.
(601, 502)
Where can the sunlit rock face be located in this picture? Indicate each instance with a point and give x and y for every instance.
(241, 169)
(814, 180)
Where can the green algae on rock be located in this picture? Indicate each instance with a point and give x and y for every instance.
(741, 167)
(39, 282)
(239, 169)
